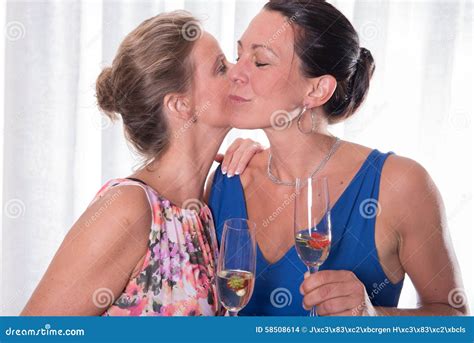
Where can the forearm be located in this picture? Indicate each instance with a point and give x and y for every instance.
(424, 310)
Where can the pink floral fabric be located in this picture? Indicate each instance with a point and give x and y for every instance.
(178, 275)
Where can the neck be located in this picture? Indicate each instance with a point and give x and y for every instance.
(180, 172)
(295, 154)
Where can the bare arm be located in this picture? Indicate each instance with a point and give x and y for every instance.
(97, 257)
(425, 250)
(414, 210)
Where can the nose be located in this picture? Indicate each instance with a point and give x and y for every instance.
(237, 74)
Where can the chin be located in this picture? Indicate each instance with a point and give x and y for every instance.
(246, 120)
(241, 124)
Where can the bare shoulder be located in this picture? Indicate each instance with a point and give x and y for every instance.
(399, 173)
(409, 194)
(125, 203)
(405, 184)
(122, 213)
(405, 175)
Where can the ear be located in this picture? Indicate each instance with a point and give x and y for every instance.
(178, 105)
(321, 90)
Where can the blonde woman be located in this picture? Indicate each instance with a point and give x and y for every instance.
(146, 244)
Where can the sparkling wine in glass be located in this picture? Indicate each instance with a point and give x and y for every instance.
(312, 223)
(236, 264)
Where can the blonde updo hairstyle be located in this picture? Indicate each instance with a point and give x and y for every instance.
(151, 62)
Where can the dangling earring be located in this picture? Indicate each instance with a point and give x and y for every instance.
(313, 122)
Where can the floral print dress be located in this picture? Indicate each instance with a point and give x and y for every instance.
(178, 274)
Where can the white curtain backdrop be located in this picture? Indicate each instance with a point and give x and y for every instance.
(57, 150)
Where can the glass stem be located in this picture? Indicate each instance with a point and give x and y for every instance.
(233, 313)
(313, 312)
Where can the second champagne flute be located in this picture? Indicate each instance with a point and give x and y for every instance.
(236, 264)
(312, 223)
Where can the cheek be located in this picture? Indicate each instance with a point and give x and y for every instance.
(215, 88)
(262, 84)
(270, 84)
(213, 101)
(277, 91)
(204, 91)
(218, 94)
(221, 87)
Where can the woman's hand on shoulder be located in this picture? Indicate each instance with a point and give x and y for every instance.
(238, 156)
(235, 161)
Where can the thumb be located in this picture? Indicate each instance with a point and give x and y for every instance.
(219, 158)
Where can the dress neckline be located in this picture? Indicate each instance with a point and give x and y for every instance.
(192, 202)
(336, 203)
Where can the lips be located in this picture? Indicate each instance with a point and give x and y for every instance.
(238, 99)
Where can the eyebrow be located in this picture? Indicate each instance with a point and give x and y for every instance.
(258, 46)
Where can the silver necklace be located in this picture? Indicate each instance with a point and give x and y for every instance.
(320, 166)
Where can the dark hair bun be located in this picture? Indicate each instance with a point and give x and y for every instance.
(360, 80)
(328, 44)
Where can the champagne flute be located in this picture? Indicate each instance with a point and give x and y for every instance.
(312, 223)
(236, 264)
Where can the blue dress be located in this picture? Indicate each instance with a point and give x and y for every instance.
(276, 291)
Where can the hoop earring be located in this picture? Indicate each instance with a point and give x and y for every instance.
(313, 122)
